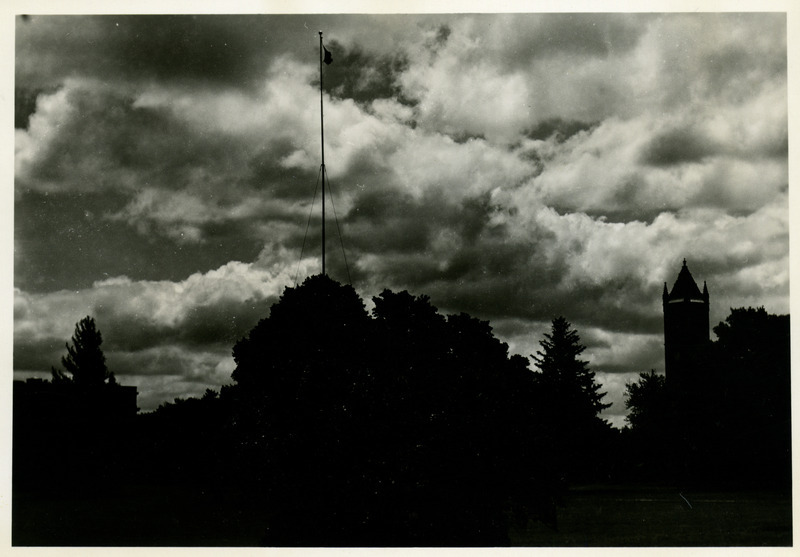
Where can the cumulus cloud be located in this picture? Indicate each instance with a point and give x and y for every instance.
(162, 328)
(516, 167)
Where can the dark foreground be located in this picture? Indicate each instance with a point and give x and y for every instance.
(664, 517)
(170, 516)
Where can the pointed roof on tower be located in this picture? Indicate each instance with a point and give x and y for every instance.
(685, 288)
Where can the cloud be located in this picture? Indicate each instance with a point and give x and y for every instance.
(614, 385)
(89, 137)
(39, 355)
(221, 49)
(210, 369)
(155, 390)
(362, 76)
(161, 330)
(676, 146)
(516, 167)
(219, 305)
(610, 352)
(636, 169)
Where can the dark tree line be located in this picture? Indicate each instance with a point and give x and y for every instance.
(69, 432)
(395, 427)
(733, 428)
(401, 428)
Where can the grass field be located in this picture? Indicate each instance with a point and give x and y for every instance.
(605, 517)
(588, 517)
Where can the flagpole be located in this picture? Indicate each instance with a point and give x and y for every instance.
(322, 143)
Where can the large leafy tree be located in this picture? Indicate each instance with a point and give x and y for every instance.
(85, 363)
(751, 394)
(734, 424)
(651, 431)
(646, 402)
(404, 427)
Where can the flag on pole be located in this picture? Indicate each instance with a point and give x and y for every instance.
(328, 58)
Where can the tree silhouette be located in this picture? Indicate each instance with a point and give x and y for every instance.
(465, 413)
(752, 389)
(570, 378)
(405, 427)
(731, 425)
(85, 361)
(651, 427)
(572, 399)
(646, 402)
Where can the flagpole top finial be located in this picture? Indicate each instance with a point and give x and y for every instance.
(320, 33)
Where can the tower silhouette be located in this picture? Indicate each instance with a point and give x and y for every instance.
(686, 335)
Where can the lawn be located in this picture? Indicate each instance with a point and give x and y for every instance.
(620, 517)
(587, 517)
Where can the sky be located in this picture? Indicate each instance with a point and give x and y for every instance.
(517, 167)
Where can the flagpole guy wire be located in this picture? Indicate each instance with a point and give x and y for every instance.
(338, 229)
(323, 173)
(308, 224)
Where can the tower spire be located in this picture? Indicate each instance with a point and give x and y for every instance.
(686, 321)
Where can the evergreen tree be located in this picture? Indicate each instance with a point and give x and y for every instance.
(85, 361)
(571, 401)
(562, 371)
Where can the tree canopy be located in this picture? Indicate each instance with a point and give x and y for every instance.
(733, 424)
(403, 427)
(646, 401)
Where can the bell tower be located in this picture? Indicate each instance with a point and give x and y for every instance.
(686, 337)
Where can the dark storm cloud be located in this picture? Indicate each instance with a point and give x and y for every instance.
(677, 146)
(465, 136)
(275, 181)
(492, 292)
(24, 106)
(485, 271)
(401, 224)
(442, 34)
(221, 49)
(150, 363)
(38, 353)
(558, 128)
(516, 167)
(78, 247)
(82, 245)
(215, 48)
(97, 171)
(430, 240)
(364, 77)
(106, 141)
(162, 365)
